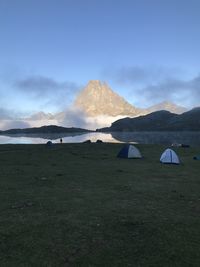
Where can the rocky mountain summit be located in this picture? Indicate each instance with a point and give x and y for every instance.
(97, 98)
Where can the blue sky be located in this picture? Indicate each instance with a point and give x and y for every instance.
(147, 51)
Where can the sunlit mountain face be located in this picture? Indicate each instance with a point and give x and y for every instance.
(97, 98)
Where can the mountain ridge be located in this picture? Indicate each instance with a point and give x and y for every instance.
(158, 121)
(45, 129)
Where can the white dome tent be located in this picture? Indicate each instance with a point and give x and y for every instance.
(169, 156)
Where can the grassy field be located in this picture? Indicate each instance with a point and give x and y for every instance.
(80, 205)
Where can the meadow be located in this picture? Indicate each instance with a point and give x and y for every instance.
(80, 205)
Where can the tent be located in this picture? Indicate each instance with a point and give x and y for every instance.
(169, 156)
(49, 143)
(129, 151)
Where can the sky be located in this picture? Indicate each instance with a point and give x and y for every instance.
(146, 50)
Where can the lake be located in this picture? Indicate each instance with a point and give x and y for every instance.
(168, 138)
(55, 138)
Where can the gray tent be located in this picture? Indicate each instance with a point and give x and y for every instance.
(169, 156)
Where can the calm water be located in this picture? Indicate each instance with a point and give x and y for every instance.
(42, 139)
(168, 138)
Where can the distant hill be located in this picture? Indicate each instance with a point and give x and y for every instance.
(189, 120)
(166, 105)
(158, 121)
(50, 129)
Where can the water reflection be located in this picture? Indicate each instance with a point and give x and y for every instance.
(168, 138)
(67, 138)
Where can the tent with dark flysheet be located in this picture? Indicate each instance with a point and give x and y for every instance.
(129, 152)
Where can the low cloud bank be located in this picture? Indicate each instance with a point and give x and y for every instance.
(40, 86)
(13, 124)
(157, 84)
(74, 117)
(186, 92)
(46, 92)
(71, 117)
(5, 114)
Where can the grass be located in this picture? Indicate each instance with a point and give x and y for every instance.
(80, 205)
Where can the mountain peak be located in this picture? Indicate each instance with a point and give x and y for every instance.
(97, 86)
(96, 83)
(97, 98)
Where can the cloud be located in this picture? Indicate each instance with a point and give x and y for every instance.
(8, 114)
(13, 124)
(134, 74)
(186, 92)
(139, 74)
(5, 114)
(72, 117)
(47, 91)
(152, 85)
(102, 121)
(40, 85)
